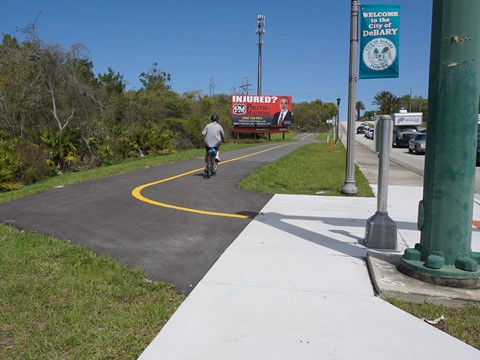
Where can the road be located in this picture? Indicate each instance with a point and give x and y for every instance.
(414, 162)
(167, 220)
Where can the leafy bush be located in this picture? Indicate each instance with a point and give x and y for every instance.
(31, 163)
(7, 166)
(187, 133)
(153, 138)
(61, 150)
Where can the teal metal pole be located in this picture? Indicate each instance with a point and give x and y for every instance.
(444, 254)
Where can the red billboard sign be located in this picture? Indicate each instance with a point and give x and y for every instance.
(262, 110)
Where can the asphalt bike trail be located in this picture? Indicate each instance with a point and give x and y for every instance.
(168, 220)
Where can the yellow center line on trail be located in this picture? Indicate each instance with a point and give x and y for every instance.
(136, 193)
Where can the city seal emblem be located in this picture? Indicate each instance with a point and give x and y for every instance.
(379, 54)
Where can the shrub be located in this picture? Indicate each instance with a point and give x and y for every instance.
(7, 166)
(31, 163)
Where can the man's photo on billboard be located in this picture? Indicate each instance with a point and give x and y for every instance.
(284, 117)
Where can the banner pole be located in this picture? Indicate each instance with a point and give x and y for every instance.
(349, 187)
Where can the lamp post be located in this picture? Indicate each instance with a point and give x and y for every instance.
(338, 116)
(350, 187)
(260, 31)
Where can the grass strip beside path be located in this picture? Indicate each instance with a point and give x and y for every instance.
(61, 301)
(462, 323)
(312, 169)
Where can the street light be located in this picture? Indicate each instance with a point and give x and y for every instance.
(350, 187)
(338, 116)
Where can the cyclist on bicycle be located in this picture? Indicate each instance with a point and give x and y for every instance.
(213, 136)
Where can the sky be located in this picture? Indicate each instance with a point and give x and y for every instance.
(305, 52)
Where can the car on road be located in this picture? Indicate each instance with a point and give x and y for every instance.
(369, 133)
(402, 134)
(418, 143)
(362, 128)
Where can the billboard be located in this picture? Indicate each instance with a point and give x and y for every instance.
(262, 110)
(379, 41)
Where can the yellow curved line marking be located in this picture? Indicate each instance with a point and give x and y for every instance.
(136, 193)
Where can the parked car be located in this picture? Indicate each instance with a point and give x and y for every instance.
(361, 129)
(418, 143)
(369, 134)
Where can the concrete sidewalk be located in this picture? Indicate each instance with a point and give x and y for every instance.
(295, 285)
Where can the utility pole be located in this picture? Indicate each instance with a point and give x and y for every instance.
(444, 255)
(260, 31)
(410, 101)
(349, 187)
(212, 87)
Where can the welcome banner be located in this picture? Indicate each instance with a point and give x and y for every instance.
(379, 41)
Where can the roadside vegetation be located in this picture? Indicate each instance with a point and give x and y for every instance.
(57, 116)
(460, 322)
(61, 301)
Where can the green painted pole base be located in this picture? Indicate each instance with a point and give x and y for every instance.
(444, 255)
(463, 274)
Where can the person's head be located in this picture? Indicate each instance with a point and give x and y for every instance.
(214, 118)
(284, 103)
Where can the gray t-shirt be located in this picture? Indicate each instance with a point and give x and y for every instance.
(213, 134)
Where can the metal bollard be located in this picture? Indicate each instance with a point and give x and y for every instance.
(381, 230)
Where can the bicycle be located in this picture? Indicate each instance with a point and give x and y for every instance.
(212, 164)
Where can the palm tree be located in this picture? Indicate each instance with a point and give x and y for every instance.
(359, 106)
(386, 101)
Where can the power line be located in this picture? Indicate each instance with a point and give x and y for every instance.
(245, 86)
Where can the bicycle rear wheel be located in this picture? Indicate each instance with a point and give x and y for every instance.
(211, 163)
(214, 165)
(209, 167)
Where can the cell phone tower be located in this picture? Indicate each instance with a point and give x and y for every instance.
(260, 31)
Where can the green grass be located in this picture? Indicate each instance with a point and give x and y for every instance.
(62, 301)
(59, 300)
(462, 323)
(312, 169)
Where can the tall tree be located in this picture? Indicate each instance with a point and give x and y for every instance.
(19, 86)
(387, 102)
(112, 82)
(155, 79)
(359, 106)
